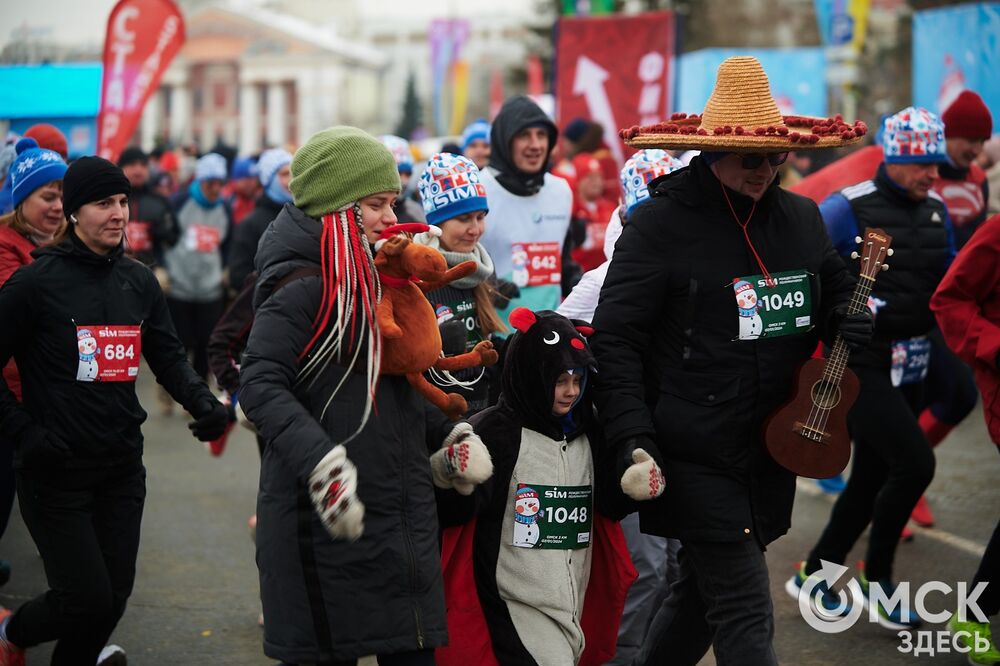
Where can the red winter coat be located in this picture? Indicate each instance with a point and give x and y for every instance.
(15, 251)
(967, 306)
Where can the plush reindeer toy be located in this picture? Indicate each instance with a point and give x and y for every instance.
(410, 336)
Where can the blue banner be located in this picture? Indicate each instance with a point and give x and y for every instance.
(797, 76)
(955, 48)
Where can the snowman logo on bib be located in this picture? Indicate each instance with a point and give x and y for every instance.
(751, 325)
(520, 275)
(526, 508)
(86, 345)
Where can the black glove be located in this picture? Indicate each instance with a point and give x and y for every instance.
(503, 292)
(453, 337)
(212, 422)
(856, 329)
(40, 448)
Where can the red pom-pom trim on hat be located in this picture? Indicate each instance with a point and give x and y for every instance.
(522, 319)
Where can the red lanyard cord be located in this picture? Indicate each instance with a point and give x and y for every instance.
(743, 226)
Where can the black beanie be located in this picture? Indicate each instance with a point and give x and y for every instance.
(91, 179)
(132, 154)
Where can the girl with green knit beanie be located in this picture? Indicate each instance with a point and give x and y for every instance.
(346, 526)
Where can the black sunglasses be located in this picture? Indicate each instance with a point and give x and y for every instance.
(750, 162)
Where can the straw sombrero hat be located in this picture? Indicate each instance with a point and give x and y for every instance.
(741, 116)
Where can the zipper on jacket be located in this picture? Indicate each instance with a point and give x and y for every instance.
(411, 560)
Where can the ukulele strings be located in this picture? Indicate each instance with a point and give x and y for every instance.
(858, 302)
(817, 410)
(836, 363)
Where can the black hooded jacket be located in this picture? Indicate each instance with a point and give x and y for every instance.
(516, 114)
(246, 236)
(151, 223)
(672, 366)
(325, 599)
(42, 306)
(535, 358)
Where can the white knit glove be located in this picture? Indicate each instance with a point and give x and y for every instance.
(462, 462)
(333, 487)
(643, 479)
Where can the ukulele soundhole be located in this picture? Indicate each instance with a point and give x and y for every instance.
(825, 395)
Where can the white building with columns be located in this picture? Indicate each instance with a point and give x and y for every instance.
(255, 78)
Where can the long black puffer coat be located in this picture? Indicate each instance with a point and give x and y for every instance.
(673, 368)
(325, 599)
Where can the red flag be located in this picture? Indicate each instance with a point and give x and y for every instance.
(143, 37)
(854, 168)
(614, 71)
(496, 93)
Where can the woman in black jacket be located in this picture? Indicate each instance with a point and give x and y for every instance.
(346, 526)
(77, 320)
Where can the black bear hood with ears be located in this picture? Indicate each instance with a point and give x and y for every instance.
(545, 345)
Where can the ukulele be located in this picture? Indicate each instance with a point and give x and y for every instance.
(808, 435)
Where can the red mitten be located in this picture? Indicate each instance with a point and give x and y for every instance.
(462, 462)
(333, 486)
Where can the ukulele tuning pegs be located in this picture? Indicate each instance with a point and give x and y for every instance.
(854, 255)
(885, 267)
(857, 239)
(889, 252)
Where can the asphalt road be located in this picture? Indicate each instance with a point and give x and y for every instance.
(195, 598)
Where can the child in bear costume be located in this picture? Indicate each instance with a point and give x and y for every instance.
(535, 566)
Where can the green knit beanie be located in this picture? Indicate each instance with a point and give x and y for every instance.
(338, 166)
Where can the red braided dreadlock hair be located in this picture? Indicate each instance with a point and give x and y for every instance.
(345, 323)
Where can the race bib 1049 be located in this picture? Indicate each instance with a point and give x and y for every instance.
(552, 516)
(784, 308)
(108, 353)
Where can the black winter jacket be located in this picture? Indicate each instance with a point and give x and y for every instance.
(325, 599)
(151, 226)
(246, 236)
(42, 305)
(922, 252)
(672, 367)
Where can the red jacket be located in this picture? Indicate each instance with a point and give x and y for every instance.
(15, 251)
(967, 307)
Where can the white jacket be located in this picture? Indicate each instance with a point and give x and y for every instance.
(582, 301)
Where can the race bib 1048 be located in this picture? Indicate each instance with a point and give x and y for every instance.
(785, 308)
(552, 516)
(108, 353)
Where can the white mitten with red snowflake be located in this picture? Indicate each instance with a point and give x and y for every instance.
(333, 487)
(462, 462)
(643, 480)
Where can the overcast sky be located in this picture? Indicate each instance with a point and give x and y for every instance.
(82, 22)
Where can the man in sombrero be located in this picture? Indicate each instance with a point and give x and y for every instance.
(721, 285)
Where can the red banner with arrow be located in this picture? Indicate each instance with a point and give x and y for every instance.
(615, 71)
(143, 36)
